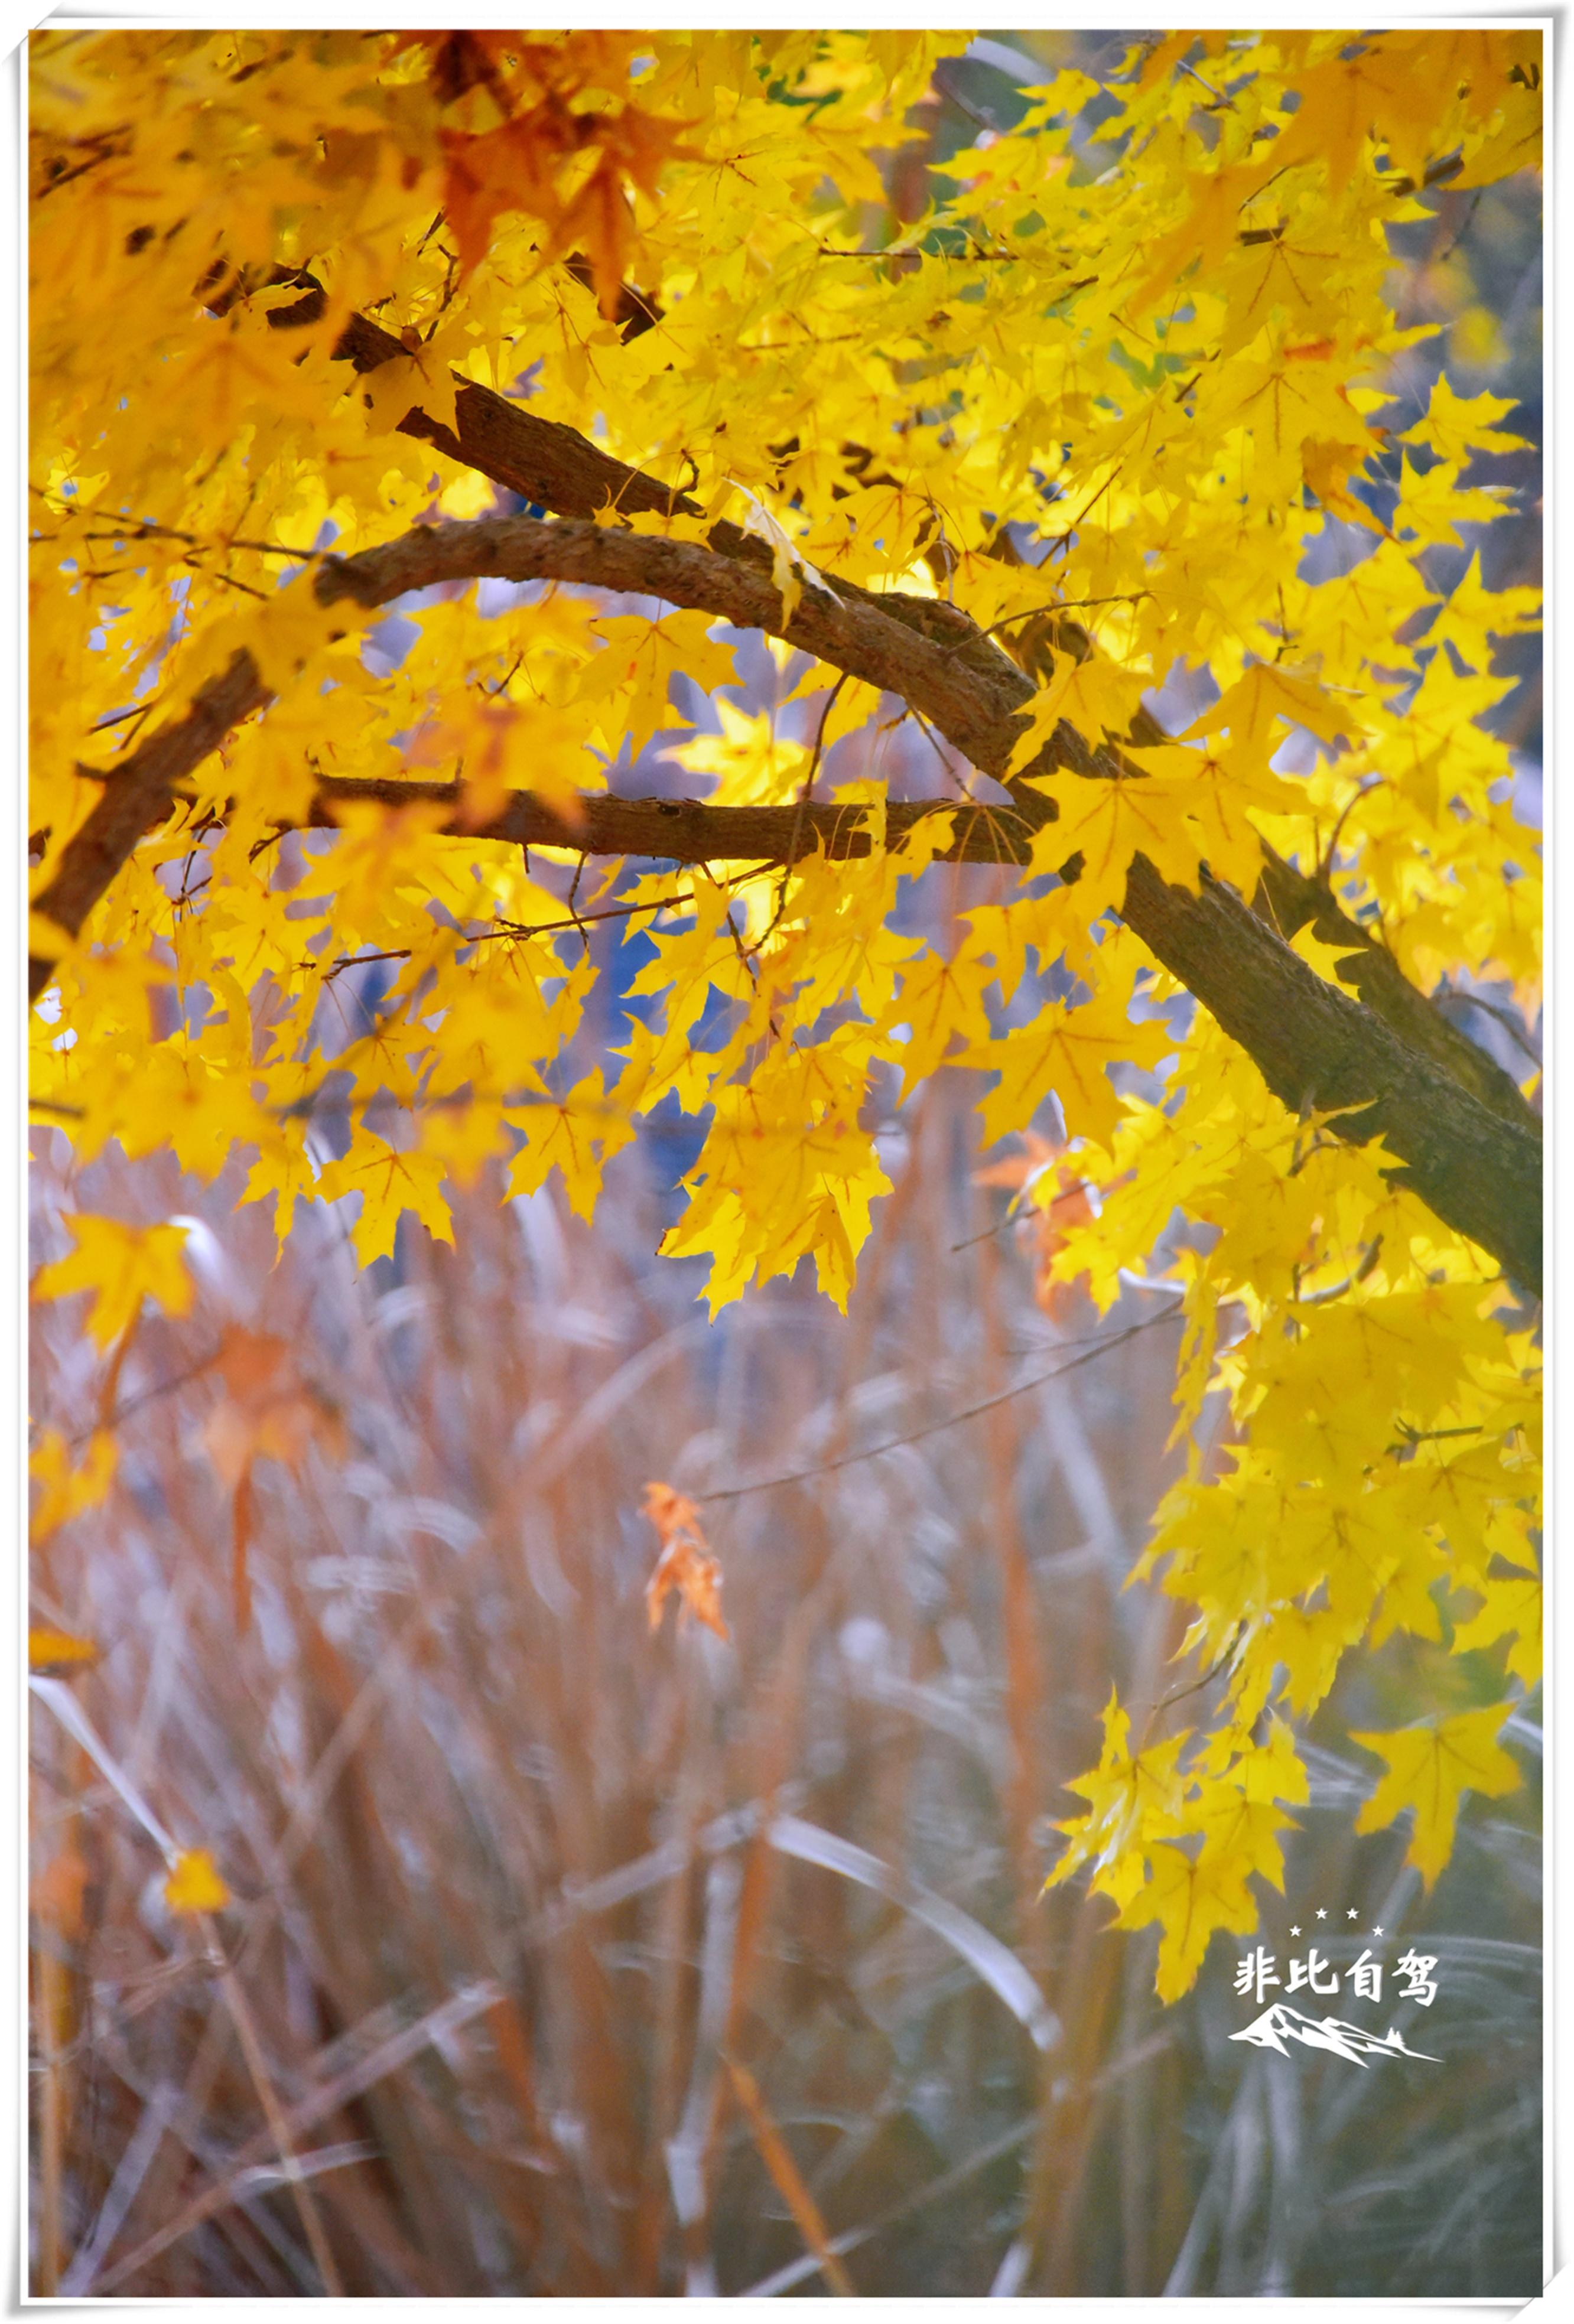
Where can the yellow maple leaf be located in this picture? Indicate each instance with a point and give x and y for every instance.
(1207, 233)
(59, 1650)
(1510, 1609)
(1190, 1897)
(631, 681)
(1094, 695)
(1069, 1048)
(1134, 1799)
(1221, 790)
(1105, 822)
(195, 1884)
(122, 1265)
(501, 747)
(940, 1001)
(1456, 426)
(1475, 613)
(379, 872)
(1430, 1767)
(751, 760)
(70, 1490)
(575, 1135)
(419, 381)
(1328, 465)
(1264, 693)
(285, 1169)
(389, 1182)
(1240, 1814)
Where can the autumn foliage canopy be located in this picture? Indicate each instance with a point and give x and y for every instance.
(591, 352)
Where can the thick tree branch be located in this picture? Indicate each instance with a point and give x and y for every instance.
(854, 630)
(1317, 1048)
(1321, 1052)
(137, 797)
(689, 831)
(540, 459)
(1295, 900)
(564, 473)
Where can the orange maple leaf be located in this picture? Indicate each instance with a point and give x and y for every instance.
(686, 1564)
(269, 1412)
(1050, 1199)
(517, 167)
(511, 167)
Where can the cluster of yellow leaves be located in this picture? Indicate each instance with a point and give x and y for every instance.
(1174, 1836)
(1176, 1842)
(1156, 332)
(1385, 1476)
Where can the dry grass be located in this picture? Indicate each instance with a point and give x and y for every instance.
(544, 1929)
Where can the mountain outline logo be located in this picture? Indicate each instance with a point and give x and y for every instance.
(1335, 2033)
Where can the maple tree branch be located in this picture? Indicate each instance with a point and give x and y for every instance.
(1320, 1051)
(1317, 1048)
(692, 831)
(557, 468)
(137, 796)
(551, 465)
(974, 703)
(1296, 900)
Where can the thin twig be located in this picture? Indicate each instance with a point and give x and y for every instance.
(952, 1420)
(119, 717)
(142, 529)
(1016, 1211)
(1055, 606)
(1326, 861)
(278, 2123)
(1195, 1686)
(149, 1396)
(517, 929)
(1062, 538)
(1227, 102)
(1504, 1016)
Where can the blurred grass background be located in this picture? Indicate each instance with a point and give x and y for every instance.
(478, 1822)
(565, 1958)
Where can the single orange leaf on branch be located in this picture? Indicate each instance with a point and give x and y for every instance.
(1050, 1197)
(686, 1565)
(269, 1412)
